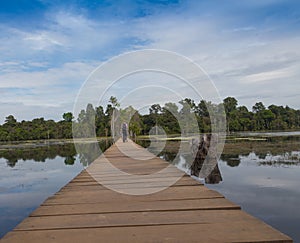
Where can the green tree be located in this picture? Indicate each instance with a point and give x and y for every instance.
(259, 106)
(155, 109)
(100, 121)
(135, 124)
(259, 122)
(10, 120)
(169, 118)
(230, 105)
(68, 116)
(244, 118)
(154, 117)
(203, 117)
(114, 102)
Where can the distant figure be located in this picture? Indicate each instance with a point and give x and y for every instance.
(124, 132)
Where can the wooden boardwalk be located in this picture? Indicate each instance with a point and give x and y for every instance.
(187, 211)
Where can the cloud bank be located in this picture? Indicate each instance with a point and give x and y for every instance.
(249, 49)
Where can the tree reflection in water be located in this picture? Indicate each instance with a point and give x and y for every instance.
(202, 155)
(88, 152)
(170, 154)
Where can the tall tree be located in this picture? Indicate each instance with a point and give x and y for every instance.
(68, 116)
(155, 109)
(259, 106)
(169, 118)
(230, 104)
(10, 120)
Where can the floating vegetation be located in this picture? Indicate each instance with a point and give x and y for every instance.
(246, 139)
(286, 159)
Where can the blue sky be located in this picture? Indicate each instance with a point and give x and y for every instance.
(48, 48)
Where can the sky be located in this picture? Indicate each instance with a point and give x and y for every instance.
(48, 48)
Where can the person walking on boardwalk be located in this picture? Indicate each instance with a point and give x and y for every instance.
(124, 132)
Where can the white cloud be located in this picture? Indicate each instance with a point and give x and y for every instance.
(28, 112)
(247, 62)
(46, 66)
(268, 76)
(64, 36)
(247, 28)
(42, 41)
(46, 91)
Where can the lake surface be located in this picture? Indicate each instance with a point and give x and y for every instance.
(30, 174)
(259, 171)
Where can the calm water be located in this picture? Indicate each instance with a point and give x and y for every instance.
(266, 187)
(261, 176)
(260, 173)
(28, 176)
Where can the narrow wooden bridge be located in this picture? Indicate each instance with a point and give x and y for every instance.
(106, 206)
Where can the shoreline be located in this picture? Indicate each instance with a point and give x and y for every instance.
(237, 137)
(46, 142)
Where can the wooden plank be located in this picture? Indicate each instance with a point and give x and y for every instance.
(115, 176)
(136, 206)
(172, 193)
(140, 171)
(76, 186)
(127, 179)
(135, 219)
(135, 171)
(218, 232)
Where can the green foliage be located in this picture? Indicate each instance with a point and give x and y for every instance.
(114, 102)
(259, 106)
(98, 121)
(230, 104)
(37, 129)
(10, 120)
(68, 116)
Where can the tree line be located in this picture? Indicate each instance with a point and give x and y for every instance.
(238, 118)
(97, 121)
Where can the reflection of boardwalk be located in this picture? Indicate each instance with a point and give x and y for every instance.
(85, 211)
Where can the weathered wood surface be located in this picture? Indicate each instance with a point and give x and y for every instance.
(86, 211)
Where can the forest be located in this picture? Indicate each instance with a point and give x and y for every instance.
(97, 120)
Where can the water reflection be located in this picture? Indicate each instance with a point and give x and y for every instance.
(184, 161)
(30, 175)
(260, 174)
(263, 159)
(231, 160)
(69, 160)
(40, 154)
(88, 153)
(288, 158)
(205, 158)
(274, 151)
